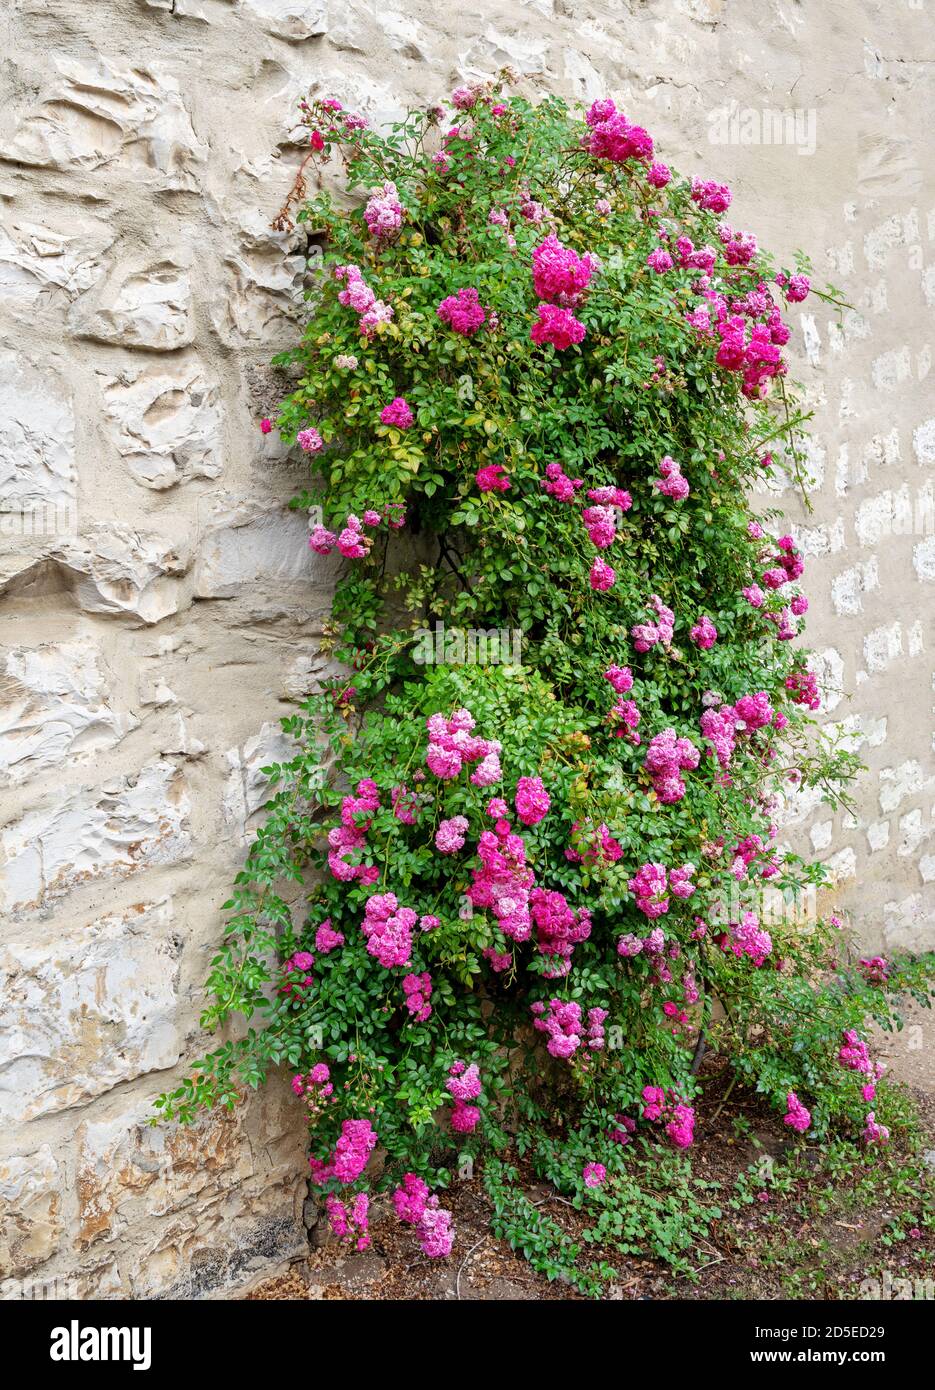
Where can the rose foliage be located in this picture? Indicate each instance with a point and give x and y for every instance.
(496, 904)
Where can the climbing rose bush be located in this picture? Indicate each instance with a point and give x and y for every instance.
(498, 904)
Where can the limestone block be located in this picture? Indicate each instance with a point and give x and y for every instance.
(923, 443)
(307, 674)
(825, 539)
(113, 832)
(915, 829)
(166, 422)
(146, 305)
(883, 646)
(828, 666)
(848, 588)
(30, 1211)
(841, 866)
(295, 20)
(37, 439)
(251, 543)
(498, 48)
(264, 281)
(407, 38)
(857, 730)
(923, 560)
(192, 1196)
(891, 369)
(247, 787)
(821, 834)
(112, 570)
(184, 9)
(886, 237)
(797, 804)
(907, 923)
(92, 116)
(56, 707)
(877, 518)
(87, 1009)
(898, 783)
(43, 268)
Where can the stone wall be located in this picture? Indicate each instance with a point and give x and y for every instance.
(160, 608)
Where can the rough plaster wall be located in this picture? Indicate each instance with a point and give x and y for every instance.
(164, 614)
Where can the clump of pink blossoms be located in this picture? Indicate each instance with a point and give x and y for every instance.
(601, 526)
(557, 326)
(416, 1208)
(749, 939)
(796, 1116)
(612, 136)
(315, 1088)
(874, 1133)
(409, 1199)
(532, 800)
(754, 712)
(383, 213)
(560, 274)
(667, 757)
(652, 886)
(449, 837)
(557, 483)
(463, 312)
(722, 726)
(464, 1085)
(435, 1231)
(351, 1154)
(351, 542)
(796, 288)
(592, 845)
(646, 635)
(854, 1053)
(350, 1222)
(562, 1023)
(704, 633)
(787, 565)
(452, 745)
(418, 992)
(558, 929)
(594, 1174)
(491, 478)
(463, 98)
(601, 576)
(667, 1106)
(358, 295)
(610, 496)
(397, 413)
(672, 482)
(503, 881)
(620, 678)
(310, 440)
(388, 929)
(327, 939)
(300, 962)
(624, 718)
(714, 197)
(875, 969)
(351, 835)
